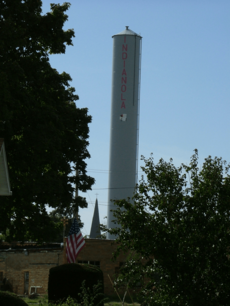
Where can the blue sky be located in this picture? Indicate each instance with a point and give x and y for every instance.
(185, 73)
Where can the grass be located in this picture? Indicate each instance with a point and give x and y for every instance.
(113, 301)
(87, 296)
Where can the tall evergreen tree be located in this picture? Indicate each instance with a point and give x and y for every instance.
(45, 132)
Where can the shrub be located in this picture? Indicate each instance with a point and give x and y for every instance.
(7, 286)
(66, 281)
(89, 298)
(10, 299)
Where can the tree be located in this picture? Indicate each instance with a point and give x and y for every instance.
(45, 133)
(62, 229)
(184, 227)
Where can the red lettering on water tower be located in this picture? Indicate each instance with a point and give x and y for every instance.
(123, 105)
(125, 47)
(124, 56)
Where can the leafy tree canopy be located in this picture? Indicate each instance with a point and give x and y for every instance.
(184, 227)
(45, 133)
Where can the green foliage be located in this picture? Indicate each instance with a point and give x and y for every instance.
(45, 133)
(66, 280)
(10, 299)
(186, 228)
(92, 297)
(57, 219)
(3, 236)
(42, 301)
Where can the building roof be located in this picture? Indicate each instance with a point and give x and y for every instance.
(4, 174)
(95, 227)
(32, 247)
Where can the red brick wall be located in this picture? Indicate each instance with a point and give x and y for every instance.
(15, 263)
(101, 250)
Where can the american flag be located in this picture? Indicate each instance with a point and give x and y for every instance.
(74, 243)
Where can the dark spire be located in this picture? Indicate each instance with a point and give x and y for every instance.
(95, 227)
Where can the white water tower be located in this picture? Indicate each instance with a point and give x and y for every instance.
(124, 133)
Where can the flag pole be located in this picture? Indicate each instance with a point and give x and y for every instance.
(75, 215)
(64, 221)
(76, 195)
(75, 240)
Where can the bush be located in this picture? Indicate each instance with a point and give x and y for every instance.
(66, 281)
(6, 286)
(10, 299)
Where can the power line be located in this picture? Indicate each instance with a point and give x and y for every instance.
(99, 204)
(114, 188)
(107, 171)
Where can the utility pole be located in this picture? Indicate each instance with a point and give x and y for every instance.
(75, 214)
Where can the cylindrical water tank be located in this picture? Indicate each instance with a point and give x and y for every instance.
(125, 104)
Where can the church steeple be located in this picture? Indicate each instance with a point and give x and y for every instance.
(95, 227)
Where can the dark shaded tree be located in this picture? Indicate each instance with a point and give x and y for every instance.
(184, 227)
(45, 132)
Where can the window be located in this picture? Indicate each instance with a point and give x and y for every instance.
(26, 282)
(94, 263)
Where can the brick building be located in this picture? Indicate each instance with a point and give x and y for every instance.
(26, 267)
